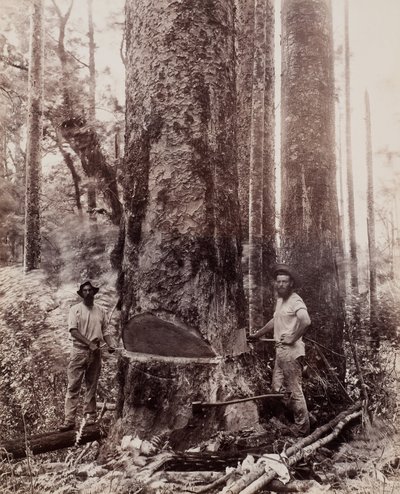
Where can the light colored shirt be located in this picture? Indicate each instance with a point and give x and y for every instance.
(91, 322)
(287, 323)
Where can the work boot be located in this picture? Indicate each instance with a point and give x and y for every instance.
(67, 426)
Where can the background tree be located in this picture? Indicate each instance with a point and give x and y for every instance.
(309, 198)
(35, 135)
(373, 300)
(255, 90)
(261, 162)
(73, 120)
(349, 161)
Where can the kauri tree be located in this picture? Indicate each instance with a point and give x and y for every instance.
(181, 238)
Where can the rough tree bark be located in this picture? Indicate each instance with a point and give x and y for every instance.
(309, 197)
(181, 249)
(35, 132)
(349, 161)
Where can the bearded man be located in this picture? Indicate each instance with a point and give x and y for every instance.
(87, 323)
(288, 324)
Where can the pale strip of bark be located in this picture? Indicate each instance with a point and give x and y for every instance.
(143, 357)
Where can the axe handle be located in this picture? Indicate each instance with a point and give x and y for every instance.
(201, 404)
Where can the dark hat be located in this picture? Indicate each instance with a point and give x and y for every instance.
(86, 283)
(285, 269)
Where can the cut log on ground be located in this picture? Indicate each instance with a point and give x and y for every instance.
(257, 478)
(266, 478)
(50, 441)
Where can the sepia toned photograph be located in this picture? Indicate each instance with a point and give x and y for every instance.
(199, 246)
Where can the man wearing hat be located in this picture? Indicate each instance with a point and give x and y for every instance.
(87, 323)
(289, 323)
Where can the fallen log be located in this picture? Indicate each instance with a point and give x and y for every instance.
(298, 448)
(50, 441)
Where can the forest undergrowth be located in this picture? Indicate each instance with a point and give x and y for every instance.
(33, 357)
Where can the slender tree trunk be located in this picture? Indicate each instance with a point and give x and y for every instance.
(3, 139)
(349, 163)
(71, 167)
(309, 196)
(256, 150)
(91, 191)
(342, 257)
(371, 223)
(34, 140)
(256, 169)
(62, 54)
(269, 189)
(244, 81)
(244, 77)
(92, 66)
(91, 198)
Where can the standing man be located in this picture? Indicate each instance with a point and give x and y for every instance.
(87, 323)
(289, 324)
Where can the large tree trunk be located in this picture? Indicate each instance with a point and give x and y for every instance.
(309, 197)
(181, 253)
(182, 250)
(35, 131)
(349, 161)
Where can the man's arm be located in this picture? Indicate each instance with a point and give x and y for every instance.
(78, 336)
(110, 343)
(265, 329)
(304, 322)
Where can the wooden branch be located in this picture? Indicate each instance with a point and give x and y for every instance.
(266, 478)
(50, 441)
(300, 446)
(367, 416)
(333, 373)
